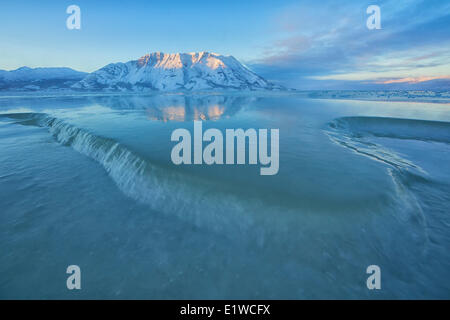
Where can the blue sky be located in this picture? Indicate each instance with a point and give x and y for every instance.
(303, 44)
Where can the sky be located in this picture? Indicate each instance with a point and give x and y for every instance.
(301, 44)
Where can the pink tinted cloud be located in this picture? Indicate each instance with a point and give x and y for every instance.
(412, 79)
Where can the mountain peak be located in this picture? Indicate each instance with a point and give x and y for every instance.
(24, 68)
(180, 60)
(161, 71)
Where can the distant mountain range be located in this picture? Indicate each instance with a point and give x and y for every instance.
(196, 71)
(153, 72)
(28, 79)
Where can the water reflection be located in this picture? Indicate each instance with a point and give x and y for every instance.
(173, 107)
(181, 108)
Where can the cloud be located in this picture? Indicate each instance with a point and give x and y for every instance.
(330, 41)
(412, 80)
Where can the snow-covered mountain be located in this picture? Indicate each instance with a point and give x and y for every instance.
(39, 78)
(173, 72)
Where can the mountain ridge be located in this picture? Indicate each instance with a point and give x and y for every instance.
(31, 79)
(173, 72)
(158, 71)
